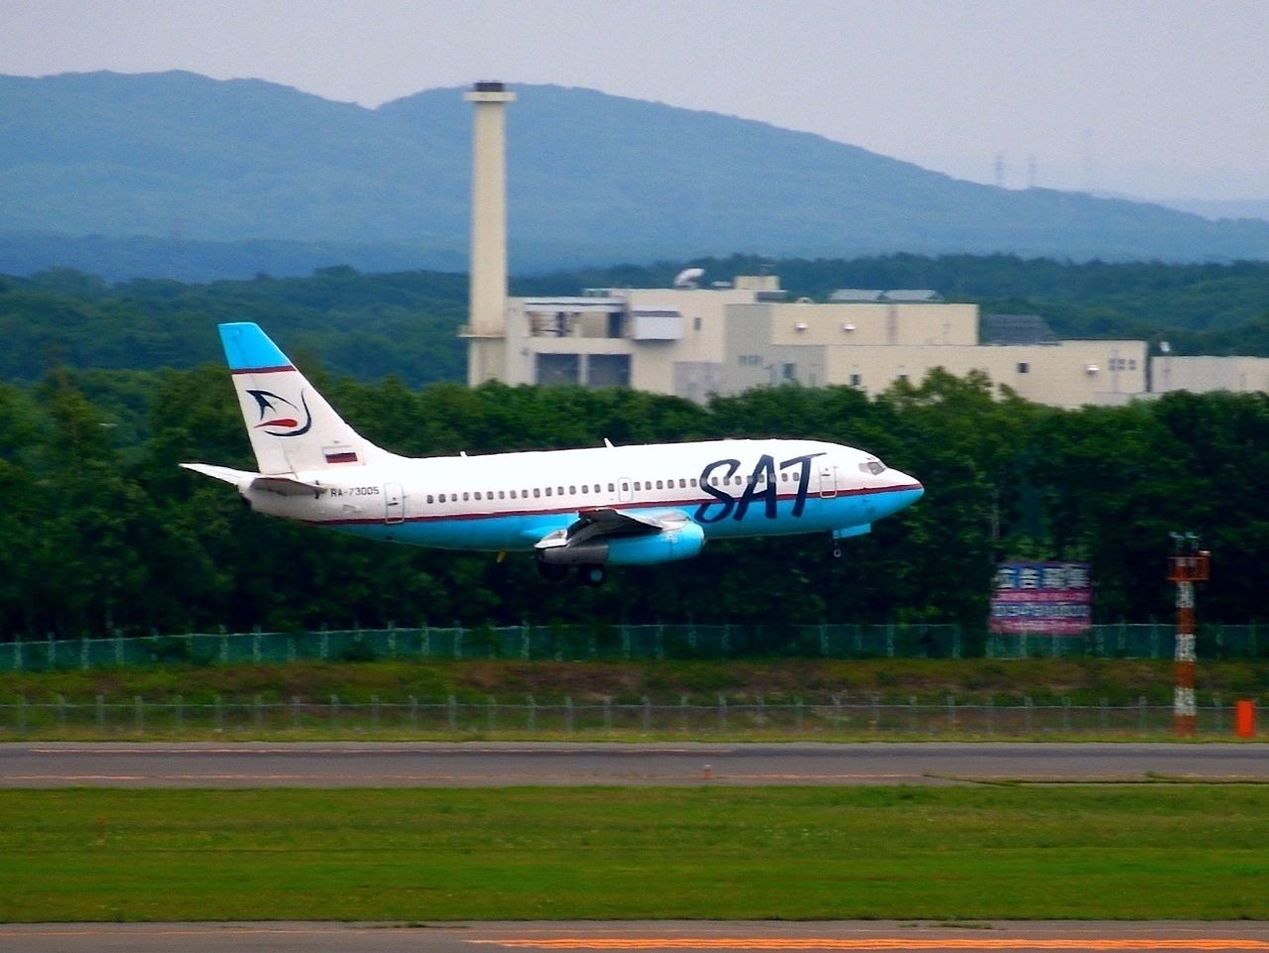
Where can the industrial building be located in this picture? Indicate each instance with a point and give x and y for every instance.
(699, 338)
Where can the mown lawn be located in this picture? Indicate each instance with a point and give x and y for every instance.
(1135, 852)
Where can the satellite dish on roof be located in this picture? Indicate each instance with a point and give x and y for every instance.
(688, 277)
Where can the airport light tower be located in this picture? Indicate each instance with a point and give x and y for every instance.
(1187, 565)
(486, 327)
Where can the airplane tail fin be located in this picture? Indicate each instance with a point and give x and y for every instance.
(291, 426)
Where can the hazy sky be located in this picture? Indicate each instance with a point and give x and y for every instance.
(1158, 98)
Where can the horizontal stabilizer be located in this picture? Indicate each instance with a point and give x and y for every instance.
(228, 474)
(243, 480)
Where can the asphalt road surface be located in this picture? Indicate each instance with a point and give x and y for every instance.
(352, 764)
(998, 937)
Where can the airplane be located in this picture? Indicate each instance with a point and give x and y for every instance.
(575, 510)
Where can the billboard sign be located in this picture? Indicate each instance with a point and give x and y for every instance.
(1048, 598)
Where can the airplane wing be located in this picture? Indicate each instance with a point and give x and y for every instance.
(604, 523)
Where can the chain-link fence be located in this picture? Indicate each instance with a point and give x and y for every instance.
(614, 642)
(831, 716)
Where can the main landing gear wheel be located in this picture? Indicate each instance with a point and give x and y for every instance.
(592, 575)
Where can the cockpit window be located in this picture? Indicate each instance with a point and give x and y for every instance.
(872, 466)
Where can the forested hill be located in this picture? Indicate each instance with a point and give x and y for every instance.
(405, 324)
(181, 160)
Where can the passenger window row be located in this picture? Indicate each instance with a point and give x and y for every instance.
(589, 488)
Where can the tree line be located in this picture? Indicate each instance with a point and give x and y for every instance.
(101, 531)
(373, 326)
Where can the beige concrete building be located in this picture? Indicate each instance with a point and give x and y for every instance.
(694, 342)
(1199, 374)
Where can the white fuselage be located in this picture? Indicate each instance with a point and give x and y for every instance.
(511, 501)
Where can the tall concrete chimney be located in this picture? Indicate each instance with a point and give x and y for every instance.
(486, 330)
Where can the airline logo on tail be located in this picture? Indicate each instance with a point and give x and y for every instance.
(278, 417)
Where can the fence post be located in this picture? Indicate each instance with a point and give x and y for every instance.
(458, 641)
(219, 706)
(118, 647)
(374, 711)
(876, 712)
(526, 641)
(83, 653)
(1141, 714)
(392, 640)
(323, 645)
(257, 713)
(647, 714)
(101, 712)
(451, 711)
(17, 653)
(660, 641)
(607, 713)
(21, 714)
(951, 711)
(491, 712)
(1066, 712)
(568, 713)
(414, 713)
(295, 711)
(140, 712)
(1028, 713)
(683, 712)
(224, 646)
(625, 641)
(956, 640)
(531, 719)
(1220, 714)
(334, 711)
(290, 648)
(797, 713)
(722, 712)
(255, 645)
(913, 724)
(180, 712)
(890, 640)
(61, 711)
(823, 640)
(1105, 712)
(991, 714)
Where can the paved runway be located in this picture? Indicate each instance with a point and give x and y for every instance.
(999, 937)
(301, 764)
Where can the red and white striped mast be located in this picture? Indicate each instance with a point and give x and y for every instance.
(1186, 566)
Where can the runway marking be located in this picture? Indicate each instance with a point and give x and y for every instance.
(876, 943)
(139, 931)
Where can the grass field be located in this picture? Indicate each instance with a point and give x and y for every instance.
(1131, 852)
(1081, 680)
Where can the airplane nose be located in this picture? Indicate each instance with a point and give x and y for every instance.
(911, 489)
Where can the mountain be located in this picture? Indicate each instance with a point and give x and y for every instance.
(194, 167)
